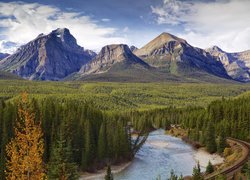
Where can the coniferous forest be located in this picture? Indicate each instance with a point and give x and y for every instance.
(210, 125)
(78, 137)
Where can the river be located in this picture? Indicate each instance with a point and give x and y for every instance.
(158, 156)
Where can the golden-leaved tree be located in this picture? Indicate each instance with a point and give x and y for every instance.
(25, 150)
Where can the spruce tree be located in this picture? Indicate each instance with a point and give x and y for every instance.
(209, 168)
(89, 153)
(221, 142)
(210, 138)
(61, 165)
(197, 173)
(102, 142)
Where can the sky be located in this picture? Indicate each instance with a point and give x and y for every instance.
(96, 23)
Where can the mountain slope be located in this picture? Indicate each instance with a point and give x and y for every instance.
(237, 65)
(3, 55)
(175, 56)
(48, 57)
(114, 62)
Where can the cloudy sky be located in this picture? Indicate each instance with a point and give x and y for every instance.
(95, 23)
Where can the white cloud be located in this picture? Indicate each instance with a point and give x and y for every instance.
(172, 12)
(8, 47)
(22, 22)
(222, 22)
(106, 20)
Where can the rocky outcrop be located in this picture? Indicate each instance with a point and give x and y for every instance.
(48, 57)
(133, 48)
(237, 65)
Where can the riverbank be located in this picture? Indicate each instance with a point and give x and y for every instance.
(157, 146)
(201, 155)
(101, 173)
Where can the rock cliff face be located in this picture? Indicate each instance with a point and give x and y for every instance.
(176, 56)
(48, 57)
(108, 57)
(237, 65)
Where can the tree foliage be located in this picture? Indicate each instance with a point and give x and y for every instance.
(209, 168)
(25, 150)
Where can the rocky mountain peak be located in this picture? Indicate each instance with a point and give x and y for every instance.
(48, 57)
(165, 43)
(237, 64)
(115, 50)
(214, 49)
(109, 56)
(133, 48)
(65, 36)
(167, 37)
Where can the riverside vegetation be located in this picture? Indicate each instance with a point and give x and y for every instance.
(83, 130)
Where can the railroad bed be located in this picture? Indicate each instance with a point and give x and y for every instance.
(231, 170)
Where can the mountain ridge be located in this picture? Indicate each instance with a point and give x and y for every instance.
(178, 57)
(237, 64)
(57, 56)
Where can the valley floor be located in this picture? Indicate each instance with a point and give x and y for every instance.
(125, 96)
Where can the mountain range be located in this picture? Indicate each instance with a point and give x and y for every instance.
(57, 56)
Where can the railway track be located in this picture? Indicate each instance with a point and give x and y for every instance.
(231, 170)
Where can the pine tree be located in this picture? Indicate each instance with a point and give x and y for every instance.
(109, 175)
(25, 150)
(209, 168)
(221, 142)
(210, 138)
(102, 142)
(197, 173)
(61, 165)
(89, 153)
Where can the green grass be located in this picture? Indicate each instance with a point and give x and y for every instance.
(125, 96)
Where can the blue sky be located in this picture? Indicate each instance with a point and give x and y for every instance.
(95, 23)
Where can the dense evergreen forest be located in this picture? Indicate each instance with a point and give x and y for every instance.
(83, 138)
(75, 134)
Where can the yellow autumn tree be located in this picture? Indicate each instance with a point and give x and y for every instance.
(25, 150)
